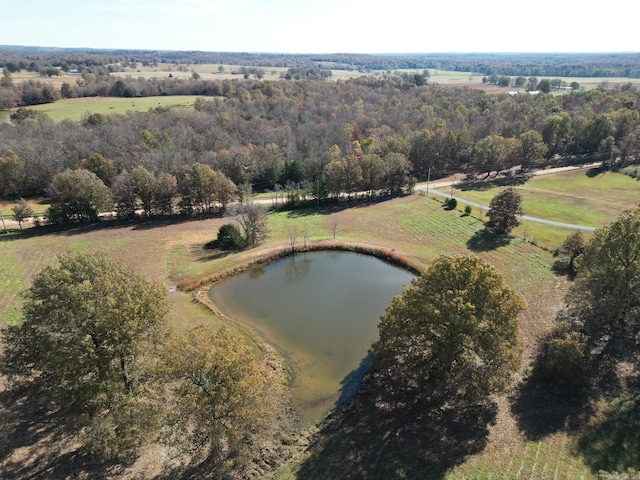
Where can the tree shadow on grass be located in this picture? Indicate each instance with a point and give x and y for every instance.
(331, 206)
(541, 411)
(375, 436)
(595, 171)
(148, 223)
(37, 442)
(487, 183)
(485, 240)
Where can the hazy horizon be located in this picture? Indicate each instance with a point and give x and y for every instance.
(408, 54)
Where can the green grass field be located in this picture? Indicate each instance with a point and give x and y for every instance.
(582, 197)
(76, 108)
(416, 227)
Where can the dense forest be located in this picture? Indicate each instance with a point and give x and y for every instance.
(306, 138)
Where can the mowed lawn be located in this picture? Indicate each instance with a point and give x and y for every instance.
(586, 197)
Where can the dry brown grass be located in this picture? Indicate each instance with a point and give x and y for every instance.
(410, 230)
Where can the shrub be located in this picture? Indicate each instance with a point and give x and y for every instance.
(566, 255)
(229, 236)
(562, 361)
(451, 203)
(467, 209)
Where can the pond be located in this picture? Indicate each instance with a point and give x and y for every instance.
(321, 311)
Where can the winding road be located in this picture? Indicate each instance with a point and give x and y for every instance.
(431, 189)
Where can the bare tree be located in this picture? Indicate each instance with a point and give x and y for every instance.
(334, 222)
(252, 219)
(306, 233)
(22, 211)
(292, 230)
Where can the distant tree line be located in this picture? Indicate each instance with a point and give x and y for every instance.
(98, 82)
(532, 64)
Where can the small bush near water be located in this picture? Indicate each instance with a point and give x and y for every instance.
(229, 237)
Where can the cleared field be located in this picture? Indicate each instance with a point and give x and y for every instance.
(206, 71)
(76, 108)
(416, 227)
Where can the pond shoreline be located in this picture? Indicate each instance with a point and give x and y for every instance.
(264, 344)
(388, 255)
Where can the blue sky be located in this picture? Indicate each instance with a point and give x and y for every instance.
(324, 26)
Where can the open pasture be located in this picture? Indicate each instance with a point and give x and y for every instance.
(207, 71)
(76, 108)
(172, 250)
(587, 197)
(39, 207)
(416, 227)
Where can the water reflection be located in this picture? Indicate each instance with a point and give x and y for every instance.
(297, 267)
(256, 272)
(321, 310)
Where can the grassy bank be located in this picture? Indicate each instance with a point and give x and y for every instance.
(414, 228)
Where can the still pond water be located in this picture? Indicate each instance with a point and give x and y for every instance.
(321, 310)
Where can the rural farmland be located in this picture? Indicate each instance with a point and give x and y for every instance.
(135, 185)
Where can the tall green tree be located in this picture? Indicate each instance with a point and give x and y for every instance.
(544, 85)
(571, 248)
(88, 329)
(495, 153)
(12, 174)
(124, 194)
(597, 129)
(607, 151)
(503, 211)
(206, 186)
(429, 152)
(453, 334)
(372, 168)
(604, 300)
(532, 149)
(145, 186)
(166, 192)
(225, 190)
(77, 196)
(200, 184)
(396, 170)
(223, 393)
(344, 174)
(556, 131)
(104, 168)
